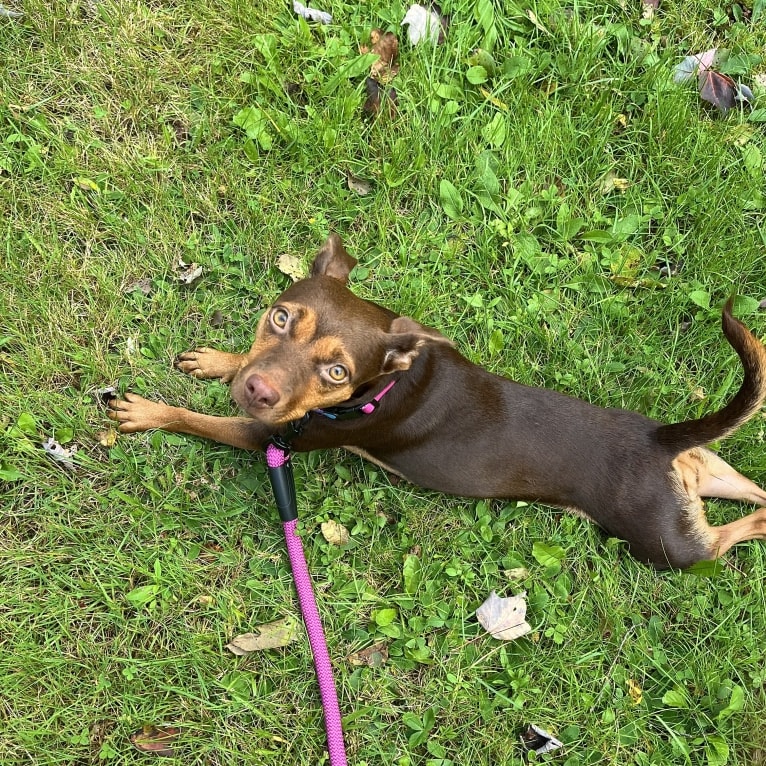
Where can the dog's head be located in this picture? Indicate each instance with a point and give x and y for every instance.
(318, 344)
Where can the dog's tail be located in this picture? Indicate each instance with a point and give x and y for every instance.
(746, 402)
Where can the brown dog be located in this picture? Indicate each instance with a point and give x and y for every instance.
(320, 372)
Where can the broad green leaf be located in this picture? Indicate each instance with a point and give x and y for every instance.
(736, 703)
(495, 131)
(700, 298)
(705, 568)
(675, 698)
(716, 751)
(412, 574)
(476, 75)
(548, 555)
(383, 617)
(450, 199)
(142, 595)
(354, 68)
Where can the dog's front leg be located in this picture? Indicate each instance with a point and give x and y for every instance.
(206, 363)
(134, 413)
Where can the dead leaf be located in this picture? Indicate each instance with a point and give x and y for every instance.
(372, 657)
(698, 394)
(717, 89)
(292, 266)
(425, 24)
(503, 618)
(271, 635)
(311, 14)
(9, 14)
(517, 573)
(107, 438)
(334, 532)
(60, 454)
(539, 740)
(649, 9)
(105, 395)
(494, 100)
(358, 185)
(158, 740)
(186, 273)
(536, 22)
(610, 182)
(694, 64)
(143, 285)
(217, 319)
(386, 45)
(377, 95)
(635, 692)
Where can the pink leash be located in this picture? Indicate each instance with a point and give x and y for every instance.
(281, 476)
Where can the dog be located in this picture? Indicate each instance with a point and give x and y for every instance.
(329, 369)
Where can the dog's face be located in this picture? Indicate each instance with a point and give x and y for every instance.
(319, 343)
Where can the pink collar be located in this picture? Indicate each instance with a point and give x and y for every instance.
(348, 413)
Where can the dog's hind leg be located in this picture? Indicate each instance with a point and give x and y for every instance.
(718, 479)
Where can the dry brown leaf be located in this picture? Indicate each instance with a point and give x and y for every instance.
(271, 635)
(377, 96)
(334, 533)
(158, 740)
(292, 266)
(504, 618)
(372, 657)
(386, 45)
(610, 182)
(635, 691)
(186, 273)
(358, 185)
(107, 438)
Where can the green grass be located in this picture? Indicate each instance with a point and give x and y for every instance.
(119, 155)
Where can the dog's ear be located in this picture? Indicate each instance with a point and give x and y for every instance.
(333, 260)
(404, 340)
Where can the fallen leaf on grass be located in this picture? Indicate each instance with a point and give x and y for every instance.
(539, 740)
(158, 740)
(718, 89)
(386, 45)
(107, 438)
(425, 24)
(186, 273)
(649, 9)
(635, 691)
(9, 14)
(271, 635)
(60, 454)
(536, 22)
(694, 64)
(358, 185)
(377, 96)
(292, 266)
(372, 657)
(503, 618)
(334, 532)
(311, 14)
(143, 285)
(610, 182)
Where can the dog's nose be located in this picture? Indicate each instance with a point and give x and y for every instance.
(260, 393)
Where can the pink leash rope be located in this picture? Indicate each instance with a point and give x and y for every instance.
(280, 473)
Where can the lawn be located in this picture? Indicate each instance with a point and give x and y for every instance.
(543, 193)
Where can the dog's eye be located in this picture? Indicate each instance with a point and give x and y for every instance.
(279, 317)
(338, 373)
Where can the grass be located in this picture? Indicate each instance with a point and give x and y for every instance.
(489, 219)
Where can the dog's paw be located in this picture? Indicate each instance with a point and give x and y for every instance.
(206, 363)
(134, 414)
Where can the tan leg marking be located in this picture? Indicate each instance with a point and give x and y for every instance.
(701, 473)
(206, 363)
